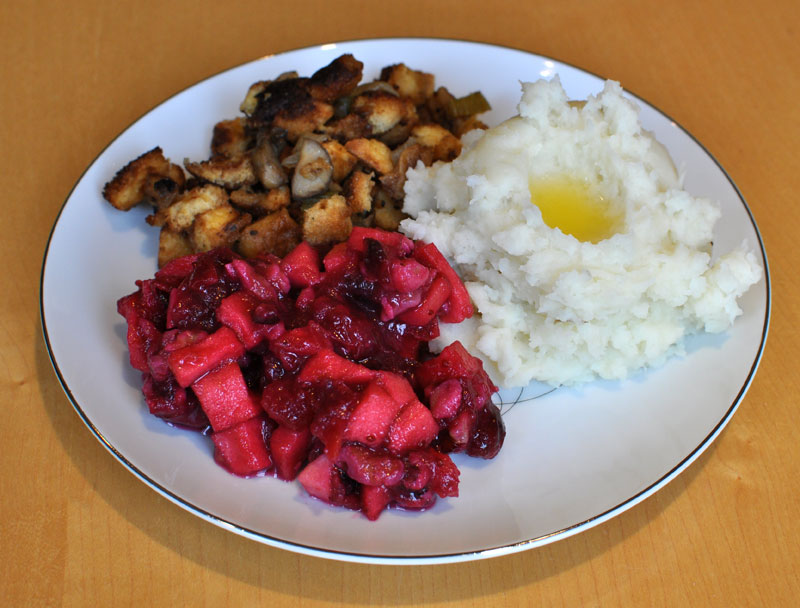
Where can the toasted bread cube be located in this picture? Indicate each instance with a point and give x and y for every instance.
(172, 245)
(230, 173)
(445, 145)
(218, 227)
(387, 215)
(181, 214)
(382, 110)
(327, 221)
(358, 192)
(343, 161)
(129, 186)
(350, 126)
(275, 233)
(336, 79)
(250, 102)
(230, 138)
(261, 203)
(373, 153)
(314, 115)
(413, 84)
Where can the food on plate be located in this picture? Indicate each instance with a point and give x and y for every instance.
(582, 252)
(316, 367)
(310, 158)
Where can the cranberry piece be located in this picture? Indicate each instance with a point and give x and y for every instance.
(488, 433)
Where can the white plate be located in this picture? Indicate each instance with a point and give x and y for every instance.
(572, 458)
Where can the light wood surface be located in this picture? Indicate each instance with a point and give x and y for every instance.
(78, 530)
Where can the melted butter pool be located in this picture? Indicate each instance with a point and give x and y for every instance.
(575, 207)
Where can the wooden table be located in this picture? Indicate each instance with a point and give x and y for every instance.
(78, 530)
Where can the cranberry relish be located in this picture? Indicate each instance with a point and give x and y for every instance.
(319, 370)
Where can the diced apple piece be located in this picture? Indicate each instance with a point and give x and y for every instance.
(274, 273)
(413, 428)
(339, 257)
(316, 478)
(289, 405)
(144, 340)
(337, 402)
(408, 275)
(225, 398)
(305, 298)
(453, 362)
(294, 347)
(242, 448)
(459, 306)
(326, 365)
(253, 281)
(191, 362)
(397, 386)
(174, 271)
(460, 429)
(432, 302)
(370, 421)
(445, 399)
(397, 304)
(374, 499)
(370, 467)
(289, 451)
(301, 265)
(235, 311)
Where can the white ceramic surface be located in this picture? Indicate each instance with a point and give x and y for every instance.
(572, 458)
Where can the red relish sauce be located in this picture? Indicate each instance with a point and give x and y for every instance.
(317, 368)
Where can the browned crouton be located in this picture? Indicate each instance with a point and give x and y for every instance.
(297, 124)
(128, 187)
(371, 152)
(250, 102)
(230, 173)
(276, 233)
(327, 221)
(230, 138)
(172, 245)
(181, 214)
(288, 104)
(387, 214)
(343, 161)
(413, 84)
(350, 126)
(336, 79)
(445, 145)
(382, 110)
(358, 192)
(218, 227)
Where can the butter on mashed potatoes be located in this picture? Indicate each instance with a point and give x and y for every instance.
(582, 253)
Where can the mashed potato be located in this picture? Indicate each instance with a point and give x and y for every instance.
(582, 253)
